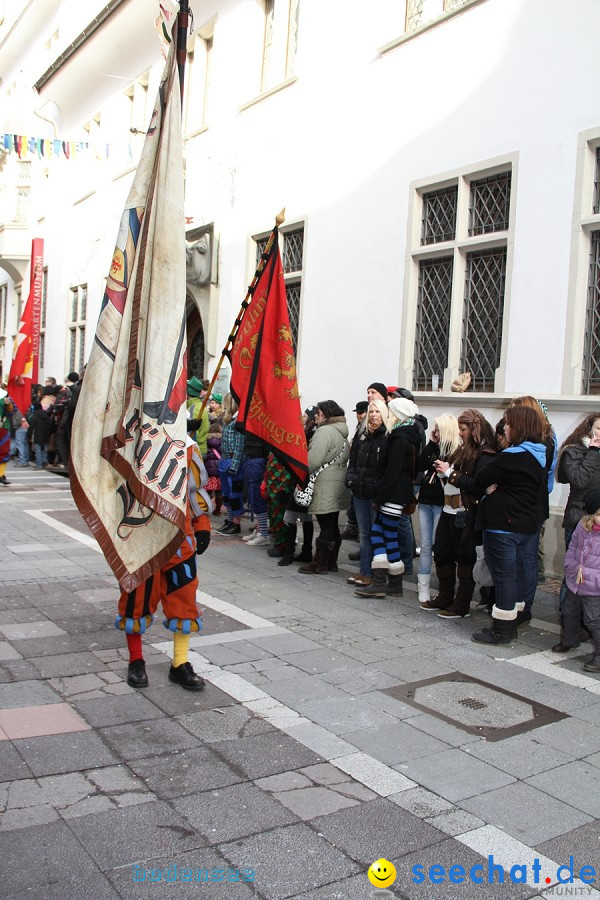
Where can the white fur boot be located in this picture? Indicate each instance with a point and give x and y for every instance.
(423, 586)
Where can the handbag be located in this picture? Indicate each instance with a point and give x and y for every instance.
(303, 496)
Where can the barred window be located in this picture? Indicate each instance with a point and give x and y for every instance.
(596, 205)
(291, 245)
(420, 12)
(438, 220)
(433, 321)
(591, 345)
(77, 327)
(490, 204)
(482, 316)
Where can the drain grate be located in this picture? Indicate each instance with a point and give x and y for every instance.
(475, 706)
(472, 703)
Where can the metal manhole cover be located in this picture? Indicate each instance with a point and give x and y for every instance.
(475, 706)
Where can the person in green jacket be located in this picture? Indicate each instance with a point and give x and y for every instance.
(195, 388)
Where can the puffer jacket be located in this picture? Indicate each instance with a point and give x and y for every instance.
(213, 455)
(368, 459)
(396, 486)
(582, 562)
(330, 492)
(579, 468)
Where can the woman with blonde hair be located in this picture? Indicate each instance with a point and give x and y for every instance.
(445, 440)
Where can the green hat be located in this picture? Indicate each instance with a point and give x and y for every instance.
(218, 397)
(194, 386)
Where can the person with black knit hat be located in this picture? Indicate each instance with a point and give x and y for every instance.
(582, 575)
(377, 391)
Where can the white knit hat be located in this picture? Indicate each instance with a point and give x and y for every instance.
(402, 408)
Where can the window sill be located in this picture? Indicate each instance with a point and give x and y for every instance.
(265, 94)
(554, 402)
(193, 134)
(428, 26)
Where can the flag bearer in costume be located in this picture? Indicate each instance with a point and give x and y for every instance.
(174, 585)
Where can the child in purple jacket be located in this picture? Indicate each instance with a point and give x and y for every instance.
(582, 575)
(211, 461)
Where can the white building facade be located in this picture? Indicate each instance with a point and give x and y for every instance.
(438, 161)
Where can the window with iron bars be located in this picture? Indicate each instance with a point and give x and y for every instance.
(438, 219)
(421, 12)
(591, 344)
(489, 207)
(78, 313)
(291, 245)
(483, 313)
(433, 318)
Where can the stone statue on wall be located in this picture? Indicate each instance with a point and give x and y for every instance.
(198, 264)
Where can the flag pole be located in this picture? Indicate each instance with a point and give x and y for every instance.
(182, 30)
(279, 220)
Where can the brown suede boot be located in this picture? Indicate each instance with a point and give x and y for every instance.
(320, 563)
(446, 576)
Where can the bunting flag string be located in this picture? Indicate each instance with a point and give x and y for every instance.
(52, 148)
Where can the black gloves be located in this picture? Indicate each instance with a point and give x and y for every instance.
(202, 541)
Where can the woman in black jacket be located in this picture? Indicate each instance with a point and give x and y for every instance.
(454, 547)
(394, 492)
(368, 458)
(508, 517)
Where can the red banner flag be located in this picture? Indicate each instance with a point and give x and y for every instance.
(24, 366)
(263, 370)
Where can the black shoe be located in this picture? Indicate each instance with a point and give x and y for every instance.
(275, 552)
(4, 480)
(224, 527)
(186, 677)
(503, 631)
(286, 561)
(136, 674)
(354, 556)
(562, 648)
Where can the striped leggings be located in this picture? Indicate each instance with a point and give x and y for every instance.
(384, 537)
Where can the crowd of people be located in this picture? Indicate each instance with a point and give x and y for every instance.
(40, 436)
(480, 492)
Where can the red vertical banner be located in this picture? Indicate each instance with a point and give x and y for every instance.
(36, 286)
(25, 366)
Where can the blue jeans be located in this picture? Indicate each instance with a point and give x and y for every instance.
(254, 469)
(429, 516)
(365, 516)
(406, 543)
(511, 559)
(22, 446)
(41, 455)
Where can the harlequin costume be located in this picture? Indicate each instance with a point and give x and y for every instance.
(174, 586)
(278, 486)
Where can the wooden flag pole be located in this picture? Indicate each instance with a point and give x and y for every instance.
(279, 220)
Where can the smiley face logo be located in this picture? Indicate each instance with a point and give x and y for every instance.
(381, 873)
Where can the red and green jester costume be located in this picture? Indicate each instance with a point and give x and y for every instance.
(174, 586)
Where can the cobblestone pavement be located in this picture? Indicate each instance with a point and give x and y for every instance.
(333, 731)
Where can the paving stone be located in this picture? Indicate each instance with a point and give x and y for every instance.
(230, 813)
(287, 781)
(319, 739)
(22, 630)
(345, 715)
(310, 802)
(571, 736)
(444, 731)
(522, 755)
(315, 662)
(151, 737)
(394, 743)
(76, 684)
(94, 887)
(279, 859)
(266, 754)
(121, 837)
(448, 853)
(376, 829)
(526, 813)
(41, 857)
(174, 701)
(86, 806)
(421, 803)
(27, 693)
(115, 780)
(224, 724)
(12, 766)
(185, 772)
(20, 794)
(27, 817)
(34, 721)
(302, 690)
(576, 783)
(133, 707)
(580, 843)
(455, 821)
(454, 774)
(67, 664)
(324, 773)
(12, 670)
(7, 651)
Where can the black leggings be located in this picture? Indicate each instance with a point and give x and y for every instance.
(330, 530)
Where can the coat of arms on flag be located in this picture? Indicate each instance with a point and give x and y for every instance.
(263, 367)
(128, 453)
